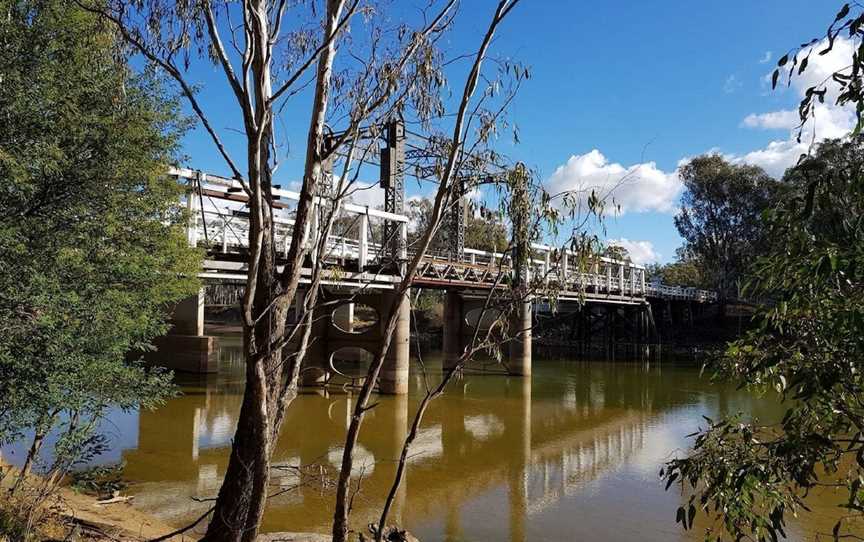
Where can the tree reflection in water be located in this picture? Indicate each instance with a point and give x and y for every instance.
(575, 451)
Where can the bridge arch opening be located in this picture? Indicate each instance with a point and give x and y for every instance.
(351, 361)
(355, 318)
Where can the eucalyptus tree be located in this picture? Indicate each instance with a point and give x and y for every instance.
(808, 347)
(268, 52)
(92, 242)
(746, 476)
(721, 217)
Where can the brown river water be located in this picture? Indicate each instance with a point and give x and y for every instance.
(571, 454)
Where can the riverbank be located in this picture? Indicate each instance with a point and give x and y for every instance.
(77, 516)
(71, 515)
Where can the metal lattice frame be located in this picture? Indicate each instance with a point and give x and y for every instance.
(455, 228)
(393, 182)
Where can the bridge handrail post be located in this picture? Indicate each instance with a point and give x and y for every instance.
(621, 278)
(403, 247)
(564, 262)
(342, 250)
(547, 266)
(192, 227)
(608, 278)
(313, 234)
(363, 250)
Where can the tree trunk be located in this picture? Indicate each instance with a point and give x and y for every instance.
(235, 517)
(243, 495)
(35, 446)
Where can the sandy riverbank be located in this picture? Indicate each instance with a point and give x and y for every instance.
(69, 512)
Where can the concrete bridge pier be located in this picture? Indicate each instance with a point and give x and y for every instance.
(394, 372)
(343, 317)
(520, 345)
(334, 330)
(185, 348)
(461, 316)
(316, 365)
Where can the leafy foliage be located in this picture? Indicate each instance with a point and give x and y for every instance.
(809, 347)
(683, 272)
(617, 252)
(91, 239)
(101, 480)
(849, 80)
(721, 217)
(484, 229)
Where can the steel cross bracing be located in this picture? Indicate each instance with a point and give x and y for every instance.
(422, 159)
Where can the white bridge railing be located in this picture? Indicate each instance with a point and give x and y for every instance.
(219, 218)
(658, 289)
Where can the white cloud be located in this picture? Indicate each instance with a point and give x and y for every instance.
(766, 57)
(829, 120)
(785, 119)
(776, 157)
(636, 188)
(641, 252)
(646, 188)
(368, 194)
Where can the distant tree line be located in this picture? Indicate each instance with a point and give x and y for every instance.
(484, 228)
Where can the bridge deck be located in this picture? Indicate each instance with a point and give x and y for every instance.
(357, 255)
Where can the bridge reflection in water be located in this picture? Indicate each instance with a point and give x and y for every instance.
(575, 451)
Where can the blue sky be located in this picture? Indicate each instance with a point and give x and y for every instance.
(639, 82)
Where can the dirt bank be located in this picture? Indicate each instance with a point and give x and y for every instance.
(70, 514)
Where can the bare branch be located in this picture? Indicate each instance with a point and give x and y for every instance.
(171, 69)
(325, 44)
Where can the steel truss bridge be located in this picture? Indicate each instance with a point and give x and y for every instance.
(364, 257)
(357, 253)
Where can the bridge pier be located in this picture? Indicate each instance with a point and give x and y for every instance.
(394, 373)
(343, 317)
(315, 370)
(520, 345)
(185, 348)
(333, 329)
